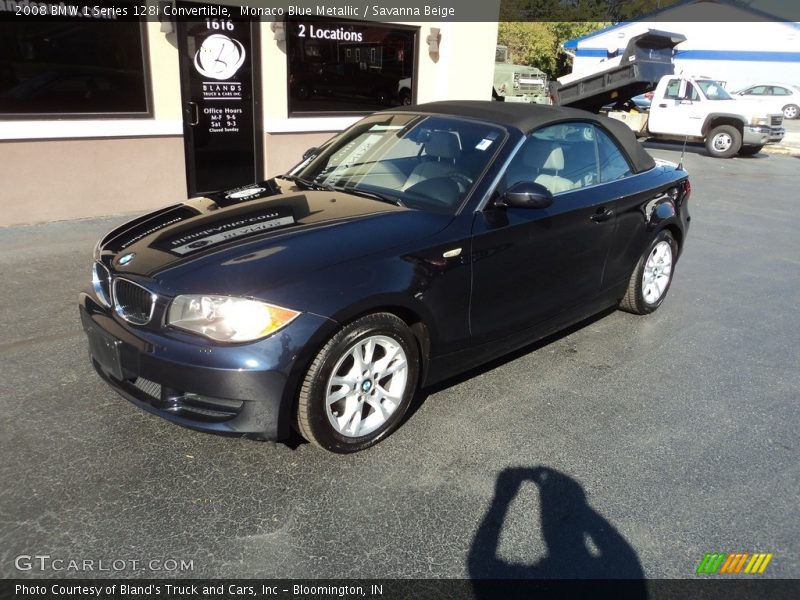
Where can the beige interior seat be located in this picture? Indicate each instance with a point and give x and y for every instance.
(540, 161)
(443, 148)
(554, 182)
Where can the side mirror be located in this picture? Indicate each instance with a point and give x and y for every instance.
(310, 152)
(526, 194)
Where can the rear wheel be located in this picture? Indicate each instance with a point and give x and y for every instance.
(723, 141)
(359, 385)
(791, 111)
(652, 276)
(749, 150)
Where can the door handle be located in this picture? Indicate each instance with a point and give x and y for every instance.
(602, 214)
(193, 114)
(662, 106)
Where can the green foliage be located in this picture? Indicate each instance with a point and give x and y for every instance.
(539, 43)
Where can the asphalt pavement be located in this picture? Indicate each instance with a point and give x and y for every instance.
(628, 446)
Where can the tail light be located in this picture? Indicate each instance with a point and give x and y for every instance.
(687, 190)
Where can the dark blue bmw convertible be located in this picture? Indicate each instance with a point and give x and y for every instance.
(417, 244)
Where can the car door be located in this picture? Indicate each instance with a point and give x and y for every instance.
(679, 112)
(529, 265)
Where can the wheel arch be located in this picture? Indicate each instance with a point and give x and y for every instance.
(788, 104)
(411, 317)
(677, 234)
(420, 327)
(717, 119)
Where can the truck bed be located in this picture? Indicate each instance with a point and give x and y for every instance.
(646, 59)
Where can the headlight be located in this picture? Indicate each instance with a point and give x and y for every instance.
(227, 319)
(760, 121)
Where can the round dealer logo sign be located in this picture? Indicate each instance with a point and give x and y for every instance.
(219, 57)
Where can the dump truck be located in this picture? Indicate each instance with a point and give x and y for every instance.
(684, 108)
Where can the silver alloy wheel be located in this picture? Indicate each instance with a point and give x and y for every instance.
(790, 111)
(722, 142)
(657, 272)
(366, 386)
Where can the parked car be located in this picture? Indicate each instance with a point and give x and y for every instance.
(778, 97)
(417, 244)
(640, 103)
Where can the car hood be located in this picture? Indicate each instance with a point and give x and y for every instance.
(245, 244)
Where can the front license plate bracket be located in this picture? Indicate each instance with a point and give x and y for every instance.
(105, 350)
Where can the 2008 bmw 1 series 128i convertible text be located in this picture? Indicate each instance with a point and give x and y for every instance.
(417, 244)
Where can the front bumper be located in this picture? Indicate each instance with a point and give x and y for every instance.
(241, 388)
(759, 135)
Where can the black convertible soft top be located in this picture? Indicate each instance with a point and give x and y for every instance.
(527, 117)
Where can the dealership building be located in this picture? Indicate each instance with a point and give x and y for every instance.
(103, 115)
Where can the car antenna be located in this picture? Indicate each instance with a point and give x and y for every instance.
(683, 151)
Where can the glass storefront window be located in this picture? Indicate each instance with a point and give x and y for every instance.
(346, 67)
(72, 69)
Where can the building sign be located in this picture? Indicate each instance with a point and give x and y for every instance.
(219, 57)
(349, 67)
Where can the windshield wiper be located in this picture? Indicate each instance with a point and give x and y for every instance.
(307, 184)
(326, 187)
(374, 195)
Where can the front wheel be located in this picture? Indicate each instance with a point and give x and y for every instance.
(359, 385)
(650, 281)
(723, 141)
(791, 111)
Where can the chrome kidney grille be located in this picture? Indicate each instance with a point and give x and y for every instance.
(133, 302)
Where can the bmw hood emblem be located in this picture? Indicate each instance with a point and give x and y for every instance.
(125, 258)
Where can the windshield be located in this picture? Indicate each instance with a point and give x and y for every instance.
(424, 162)
(713, 90)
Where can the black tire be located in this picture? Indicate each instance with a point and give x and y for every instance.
(791, 111)
(312, 420)
(723, 141)
(405, 97)
(634, 299)
(749, 150)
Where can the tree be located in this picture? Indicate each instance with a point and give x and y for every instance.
(539, 43)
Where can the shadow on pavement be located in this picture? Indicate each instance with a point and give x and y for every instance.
(580, 543)
(423, 394)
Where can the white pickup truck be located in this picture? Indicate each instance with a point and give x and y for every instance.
(699, 109)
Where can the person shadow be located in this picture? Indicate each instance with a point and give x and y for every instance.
(581, 544)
